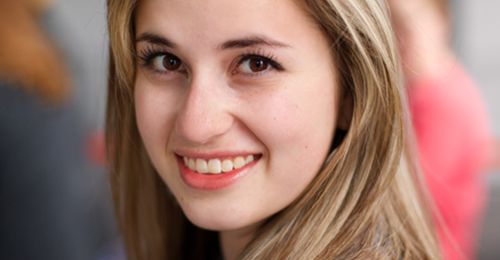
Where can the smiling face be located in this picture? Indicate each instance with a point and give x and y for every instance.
(236, 103)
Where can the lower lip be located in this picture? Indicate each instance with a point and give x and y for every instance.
(212, 181)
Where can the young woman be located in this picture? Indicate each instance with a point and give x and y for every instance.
(261, 130)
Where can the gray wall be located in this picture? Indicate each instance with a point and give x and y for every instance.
(82, 35)
(477, 41)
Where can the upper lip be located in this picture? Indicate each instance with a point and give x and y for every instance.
(212, 154)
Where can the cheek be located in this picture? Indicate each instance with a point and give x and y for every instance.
(155, 111)
(300, 116)
(296, 126)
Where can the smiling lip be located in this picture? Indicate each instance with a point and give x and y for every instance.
(212, 181)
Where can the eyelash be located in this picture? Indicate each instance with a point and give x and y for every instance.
(260, 54)
(147, 56)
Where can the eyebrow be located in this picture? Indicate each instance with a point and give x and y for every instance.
(251, 41)
(230, 44)
(155, 39)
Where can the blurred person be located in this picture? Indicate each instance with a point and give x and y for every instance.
(28, 58)
(51, 206)
(450, 121)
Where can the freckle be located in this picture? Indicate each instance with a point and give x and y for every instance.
(306, 147)
(274, 118)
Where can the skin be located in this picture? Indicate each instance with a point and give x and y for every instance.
(214, 103)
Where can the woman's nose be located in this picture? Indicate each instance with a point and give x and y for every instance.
(204, 114)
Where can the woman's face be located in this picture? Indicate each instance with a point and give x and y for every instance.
(236, 102)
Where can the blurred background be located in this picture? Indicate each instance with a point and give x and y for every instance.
(79, 32)
(477, 44)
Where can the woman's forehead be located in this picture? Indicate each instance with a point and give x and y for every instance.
(214, 22)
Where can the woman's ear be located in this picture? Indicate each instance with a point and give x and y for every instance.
(345, 110)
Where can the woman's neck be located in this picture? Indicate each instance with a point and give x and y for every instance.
(233, 242)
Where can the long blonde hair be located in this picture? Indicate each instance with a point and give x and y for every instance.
(363, 203)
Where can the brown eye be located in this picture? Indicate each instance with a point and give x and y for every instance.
(171, 62)
(254, 64)
(166, 62)
(257, 64)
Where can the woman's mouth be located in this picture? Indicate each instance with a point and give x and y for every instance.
(217, 165)
(211, 173)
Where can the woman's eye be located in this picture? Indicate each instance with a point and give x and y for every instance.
(166, 62)
(254, 64)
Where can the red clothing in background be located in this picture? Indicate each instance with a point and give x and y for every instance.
(453, 138)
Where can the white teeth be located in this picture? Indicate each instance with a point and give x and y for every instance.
(227, 165)
(217, 166)
(238, 162)
(249, 159)
(214, 166)
(191, 164)
(201, 166)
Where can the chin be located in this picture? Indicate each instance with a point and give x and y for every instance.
(219, 222)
